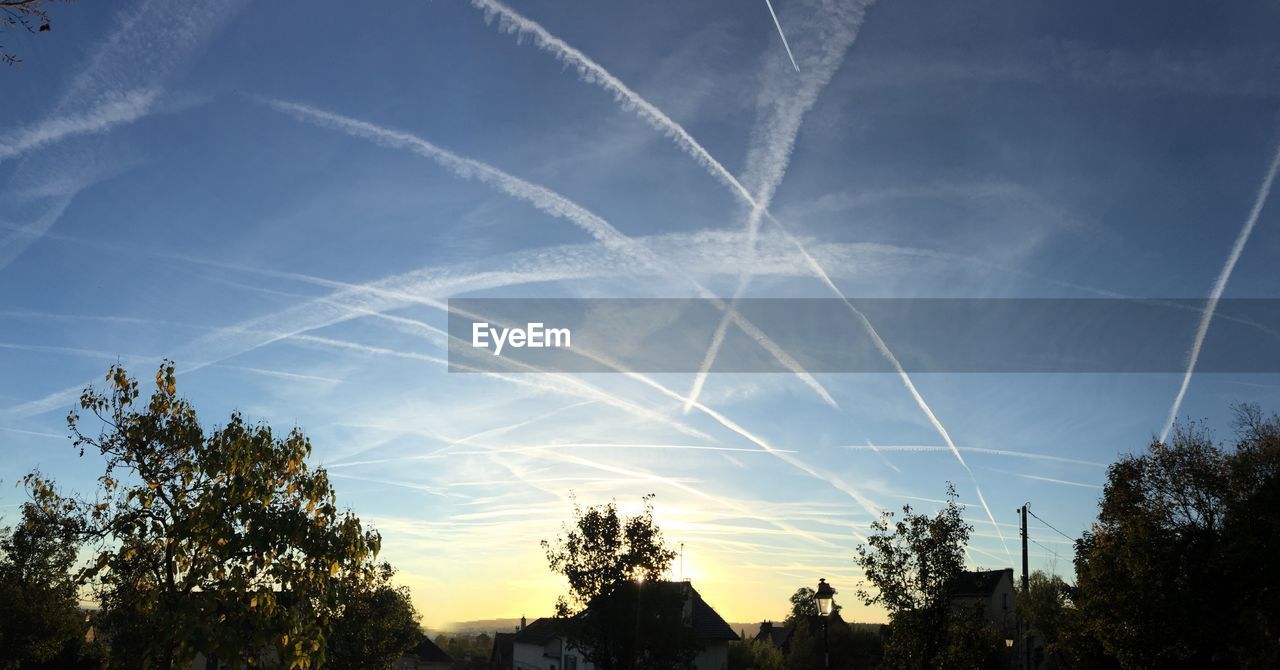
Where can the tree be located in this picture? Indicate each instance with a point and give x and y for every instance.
(804, 604)
(28, 15)
(1045, 606)
(617, 612)
(755, 655)
(912, 564)
(41, 624)
(849, 647)
(225, 543)
(1177, 570)
(377, 626)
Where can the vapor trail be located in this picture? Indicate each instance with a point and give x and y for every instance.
(439, 453)
(509, 21)
(871, 445)
(782, 112)
(590, 71)
(973, 450)
(544, 199)
(639, 474)
(782, 35)
(1264, 190)
(569, 385)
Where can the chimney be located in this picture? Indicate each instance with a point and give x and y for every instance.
(522, 622)
(686, 613)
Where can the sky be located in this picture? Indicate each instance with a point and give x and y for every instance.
(278, 198)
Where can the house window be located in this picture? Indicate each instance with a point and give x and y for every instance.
(570, 663)
(1006, 601)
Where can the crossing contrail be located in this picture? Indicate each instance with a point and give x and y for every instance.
(779, 145)
(546, 200)
(1264, 190)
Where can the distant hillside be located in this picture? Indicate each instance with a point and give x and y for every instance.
(481, 626)
(492, 626)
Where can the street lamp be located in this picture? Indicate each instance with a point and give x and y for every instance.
(825, 597)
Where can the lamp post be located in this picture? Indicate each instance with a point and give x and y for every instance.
(825, 597)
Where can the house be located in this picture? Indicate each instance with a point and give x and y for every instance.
(541, 646)
(777, 635)
(503, 646)
(990, 591)
(425, 656)
(780, 635)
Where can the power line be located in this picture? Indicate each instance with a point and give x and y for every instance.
(1055, 554)
(1050, 525)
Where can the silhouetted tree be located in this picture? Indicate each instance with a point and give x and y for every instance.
(911, 565)
(41, 624)
(617, 613)
(1046, 607)
(224, 543)
(377, 626)
(1179, 569)
(804, 603)
(849, 647)
(755, 655)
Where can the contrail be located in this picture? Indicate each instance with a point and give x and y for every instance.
(35, 433)
(879, 453)
(592, 72)
(782, 35)
(509, 21)
(439, 453)
(541, 198)
(569, 385)
(784, 455)
(696, 491)
(121, 82)
(782, 113)
(282, 374)
(719, 418)
(973, 450)
(1219, 286)
(1041, 478)
(121, 108)
(409, 288)
(611, 445)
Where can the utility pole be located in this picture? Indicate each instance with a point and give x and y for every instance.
(1023, 638)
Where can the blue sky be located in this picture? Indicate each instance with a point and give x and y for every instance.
(274, 198)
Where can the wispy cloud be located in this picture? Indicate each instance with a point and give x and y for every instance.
(122, 80)
(119, 108)
(1259, 200)
(638, 474)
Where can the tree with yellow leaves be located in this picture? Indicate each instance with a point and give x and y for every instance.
(224, 543)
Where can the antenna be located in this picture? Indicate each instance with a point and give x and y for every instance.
(682, 561)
